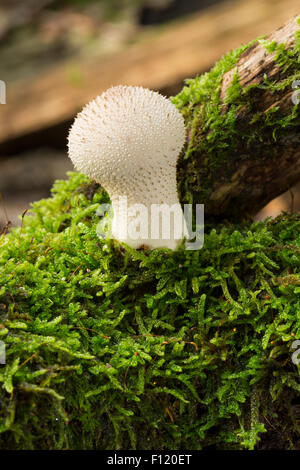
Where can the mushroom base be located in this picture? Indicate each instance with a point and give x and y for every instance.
(152, 226)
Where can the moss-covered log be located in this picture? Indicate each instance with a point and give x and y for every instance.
(244, 128)
(108, 347)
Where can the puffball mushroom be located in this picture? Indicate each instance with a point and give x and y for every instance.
(128, 139)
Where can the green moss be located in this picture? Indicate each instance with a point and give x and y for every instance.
(112, 348)
(205, 91)
(283, 56)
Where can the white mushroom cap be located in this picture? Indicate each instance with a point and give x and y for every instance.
(128, 139)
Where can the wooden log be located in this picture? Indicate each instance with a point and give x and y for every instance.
(160, 59)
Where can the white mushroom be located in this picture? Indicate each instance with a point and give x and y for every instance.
(128, 139)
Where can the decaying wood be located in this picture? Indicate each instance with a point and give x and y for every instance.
(256, 173)
(159, 60)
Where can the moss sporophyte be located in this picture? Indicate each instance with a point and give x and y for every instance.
(110, 347)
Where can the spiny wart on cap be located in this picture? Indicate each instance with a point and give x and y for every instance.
(128, 139)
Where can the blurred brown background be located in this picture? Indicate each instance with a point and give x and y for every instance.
(56, 55)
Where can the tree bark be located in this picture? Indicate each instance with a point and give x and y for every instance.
(257, 156)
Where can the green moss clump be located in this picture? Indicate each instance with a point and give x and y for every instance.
(112, 348)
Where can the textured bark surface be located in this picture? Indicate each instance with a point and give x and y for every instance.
(255, 172)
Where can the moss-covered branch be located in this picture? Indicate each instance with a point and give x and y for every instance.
(108, 347)
(243, 127)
